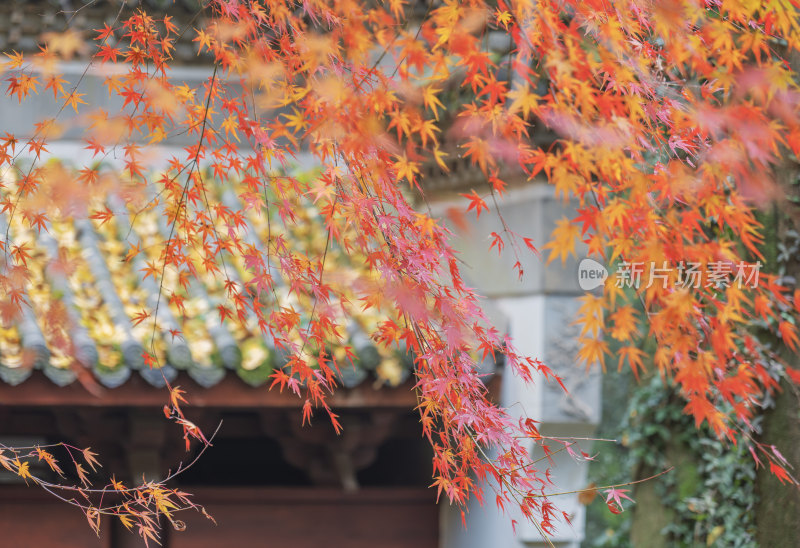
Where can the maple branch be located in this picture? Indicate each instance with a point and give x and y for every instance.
(614, 486)
(181, 203)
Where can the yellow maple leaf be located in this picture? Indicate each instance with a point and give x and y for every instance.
(562, 242)
(23, 470)
(74, 99)
(634, 356)
(592, 351)
(66, 43)
(406, 169)
(624, 323)
(431, 101)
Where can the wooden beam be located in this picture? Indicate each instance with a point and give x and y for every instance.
(230, 393)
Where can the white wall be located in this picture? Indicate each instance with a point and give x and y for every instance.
(539, 311)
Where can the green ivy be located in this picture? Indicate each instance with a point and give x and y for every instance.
(710, 494)
(712, 489)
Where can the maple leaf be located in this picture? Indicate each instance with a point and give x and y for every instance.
(660, 178)
(132, 252)
(307, 412)
(592, 351)
(427, 130)
(150, 270)
(102, 216)
(476, 202)
(93, 517)
(126, 521)
(107, 53)
(74, 99)
(56, 83)
(176, 396)
(503, 18)
(793, 374)
(149, 360)
(780, 472)
(90, 459)
(529, 244)
(140, 316)
(230, 124)
(82, 475)
(634, 356)
(406, 169)
(21, 253)
(614, 498)
(224, 313)
(37, 146)
(23, 470)
(562, 241)
(789, 335)
(118, 486)
(5, 462)
(439, 156)
(624, 322)
(203, 39)
(39, 221)
(431, 101)
(95, 147)
(478, 151)
(50, 460)
(22, 85)
(148, 533)
(105, 33)
(66, 43)
(497, 241)
(15, 60)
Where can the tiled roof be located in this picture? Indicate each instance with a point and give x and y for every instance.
(101, 293)
(81, 265)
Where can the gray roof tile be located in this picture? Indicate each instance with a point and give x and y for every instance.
(102, 293)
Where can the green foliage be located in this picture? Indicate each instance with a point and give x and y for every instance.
(710, 493)
(613, 464)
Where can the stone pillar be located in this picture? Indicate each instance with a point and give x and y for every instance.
(539, 310)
